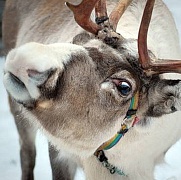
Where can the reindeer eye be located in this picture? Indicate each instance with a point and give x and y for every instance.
(123, 87)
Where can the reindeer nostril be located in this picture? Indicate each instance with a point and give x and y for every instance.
(32, 73)
(173, 109)
(39, 77)
(17, 79)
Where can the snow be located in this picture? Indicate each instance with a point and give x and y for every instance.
(9, 145)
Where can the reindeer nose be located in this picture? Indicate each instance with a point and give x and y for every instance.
(31, 65)
(26, 68)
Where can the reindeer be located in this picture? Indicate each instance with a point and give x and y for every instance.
(87, 89)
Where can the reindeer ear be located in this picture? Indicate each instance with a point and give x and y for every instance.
(81, 38)
(164, 97)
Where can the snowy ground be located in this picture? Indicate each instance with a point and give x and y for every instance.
(9, 146)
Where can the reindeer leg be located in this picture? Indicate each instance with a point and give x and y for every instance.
(27, 134)
(28, 150)
(61, 169)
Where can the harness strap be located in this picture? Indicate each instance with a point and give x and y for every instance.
(131, 114)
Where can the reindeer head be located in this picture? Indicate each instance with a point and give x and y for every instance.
(80, 91)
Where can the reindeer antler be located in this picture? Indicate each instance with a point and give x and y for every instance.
(118, 12)
(161, 65)
(82, 14)
(83, 11)
(101, 11)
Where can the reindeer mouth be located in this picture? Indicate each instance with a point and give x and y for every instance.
(16, 80)
(16, 88)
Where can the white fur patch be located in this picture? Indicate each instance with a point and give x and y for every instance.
(106, 85)
(171, 76)
(94, 43)
(63, 51)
